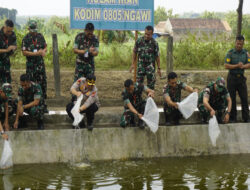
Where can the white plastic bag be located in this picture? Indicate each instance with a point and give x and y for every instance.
(151, 115)
(6, 160)
(75, 112)
(213, 130)
(188, 105)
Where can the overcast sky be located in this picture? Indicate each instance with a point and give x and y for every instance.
(61, 7)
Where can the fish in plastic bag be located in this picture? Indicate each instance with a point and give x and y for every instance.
(6, 159)
(188, 105)
(213, 130)
(151, 115)
(75, 111)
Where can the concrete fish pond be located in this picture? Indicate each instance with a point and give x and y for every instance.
(110, 157)
(60, 143)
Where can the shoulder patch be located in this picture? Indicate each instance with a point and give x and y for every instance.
(93, 94)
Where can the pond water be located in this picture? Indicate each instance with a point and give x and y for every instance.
(210, 172)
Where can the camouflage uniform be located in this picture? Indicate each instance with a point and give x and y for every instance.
(7, 89)
(84, 63)
(28, 96)
(35, 67)
(217, 100)
(136, 100)
(147, 52)
(5, 42)
(175, 95)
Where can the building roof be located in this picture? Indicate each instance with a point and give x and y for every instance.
(161, 26)
(199, 23)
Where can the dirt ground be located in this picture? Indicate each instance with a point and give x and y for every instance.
(110, 83)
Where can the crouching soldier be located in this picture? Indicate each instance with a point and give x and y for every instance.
(90, 102)
(30, 100)
(7, 105)
(134, 105)
(214, 100)
(172, 95)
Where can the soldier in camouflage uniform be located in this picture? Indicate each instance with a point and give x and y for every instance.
(7, 104)
(172, 95)
(86, 47)
(7, 48)
(30, 100)
(133, 103)
(147, 51)
(236, 61)
(34, 47)
(214, 100)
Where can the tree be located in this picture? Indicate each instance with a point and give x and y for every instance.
(209, 15)
(161, 14)
(239, 11)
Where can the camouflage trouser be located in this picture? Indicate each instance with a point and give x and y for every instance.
(83, 69)
(171, 113)
(128, 117)
(5, 71)
(148, 71)
(220, 111)
(12, 105)
(36, 112)
(37, 74)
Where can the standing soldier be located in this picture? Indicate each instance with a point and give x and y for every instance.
(7, 48)
(7, 105)
(147, 51)
(134, 104)
(30, 100)
(172, 95)
(34, 47)
(236, 61)
(86, 47)
(215, 98)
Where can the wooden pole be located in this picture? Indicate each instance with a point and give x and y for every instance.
(239, 22)
(135, 66)
(56, 66)
(170, 54)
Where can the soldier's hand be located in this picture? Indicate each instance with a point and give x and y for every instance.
(91, 49)
(151, 94)
(5, 136)
(15, 125)
(78, 93)
(6, 125)
(175, 105)
(226, 118)
(196, 90)
(159, 71)
(10, 48)
(131, 68)
(212, 113)
(40, 52)
(140, 115)
(240, 65)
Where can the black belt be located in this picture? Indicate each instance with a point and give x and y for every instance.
(237, 75)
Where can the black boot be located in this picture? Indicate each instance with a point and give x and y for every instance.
(22, 123)
(81, 124)
(45, 109)
(40, 125)
(132, 122)
(141, 124)
(90, 126)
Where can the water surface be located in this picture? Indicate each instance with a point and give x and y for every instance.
(212, 172)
